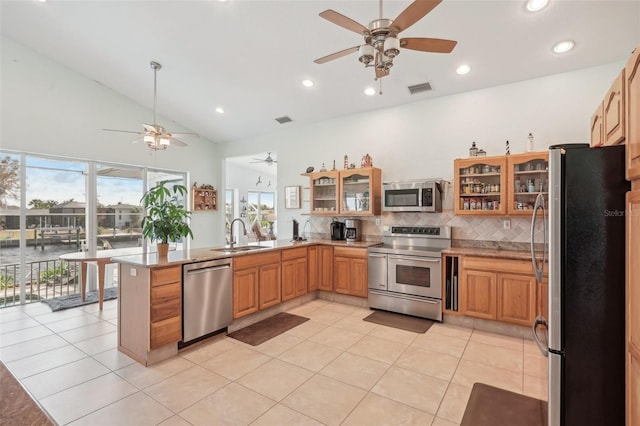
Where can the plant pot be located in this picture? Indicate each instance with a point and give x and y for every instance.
(163, 250)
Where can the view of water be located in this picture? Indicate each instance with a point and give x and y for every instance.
(11, 255)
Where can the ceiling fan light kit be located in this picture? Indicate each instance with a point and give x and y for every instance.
(154, 135)
(381, 42)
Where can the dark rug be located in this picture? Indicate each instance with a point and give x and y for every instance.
(75, 300)
(16, 406)
(268, 328)
(403, 322)
(491, 406)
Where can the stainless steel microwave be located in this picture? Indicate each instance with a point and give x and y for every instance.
(412, 196)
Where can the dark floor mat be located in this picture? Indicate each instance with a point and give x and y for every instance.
(268, 328)
(491, 406)
(75, 300)
(16, 406)
(403, 322)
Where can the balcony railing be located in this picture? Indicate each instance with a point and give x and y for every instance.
(44, 279)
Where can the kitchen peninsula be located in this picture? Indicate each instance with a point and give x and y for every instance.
(150, 290)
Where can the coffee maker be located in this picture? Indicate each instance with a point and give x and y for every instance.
(353, 230)
(337, 229)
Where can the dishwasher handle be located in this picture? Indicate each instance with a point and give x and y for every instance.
(207, 269)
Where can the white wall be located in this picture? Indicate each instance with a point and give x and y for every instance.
(422, 139)
(46, 108)
(49, 109)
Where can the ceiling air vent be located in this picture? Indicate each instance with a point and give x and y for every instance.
(417, 88)
(284, 119)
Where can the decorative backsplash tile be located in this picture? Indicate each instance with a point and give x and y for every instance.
(462, 227)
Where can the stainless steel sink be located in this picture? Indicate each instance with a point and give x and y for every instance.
(237, 249)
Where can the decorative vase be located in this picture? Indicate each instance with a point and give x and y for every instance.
(163, 250)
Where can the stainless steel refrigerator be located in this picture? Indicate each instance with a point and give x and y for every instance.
(584, 334)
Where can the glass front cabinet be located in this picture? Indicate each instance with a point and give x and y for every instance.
(360, 191)
(480, 184)
(528, 176)
(324, 193)
(352, 192)
(504, 185)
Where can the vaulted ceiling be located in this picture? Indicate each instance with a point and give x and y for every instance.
(250, 57)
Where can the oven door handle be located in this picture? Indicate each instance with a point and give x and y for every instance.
(415, 259)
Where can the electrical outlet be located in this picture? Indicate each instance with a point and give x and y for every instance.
(378, 220)
(506, 224)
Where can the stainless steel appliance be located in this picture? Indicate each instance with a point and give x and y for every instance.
(336, 229)
(352, 230)
(405, 272)
(412, 196)
(585, 330)
(207, 298)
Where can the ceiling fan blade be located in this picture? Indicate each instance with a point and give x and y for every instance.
(435, 45)
(336, 55)
(413, 13)
(123, 131)
(185, 134)
(177, 142)
(341, 20)
(151, 128)
(140, 139)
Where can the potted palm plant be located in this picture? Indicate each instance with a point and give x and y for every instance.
(165, 218)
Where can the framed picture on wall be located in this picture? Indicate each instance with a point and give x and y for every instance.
(291, 197)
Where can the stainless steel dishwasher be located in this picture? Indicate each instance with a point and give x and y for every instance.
(207, 297)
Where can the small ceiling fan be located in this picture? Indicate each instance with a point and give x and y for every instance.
(381, 42)
(154, 135)
(269, 161)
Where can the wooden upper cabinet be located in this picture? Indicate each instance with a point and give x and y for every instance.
(633, 308)
(632, 107)
(353, 192)
(597, 134)
(614, 112)
(527, 177)
(480, 186)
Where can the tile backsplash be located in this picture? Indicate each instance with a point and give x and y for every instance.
(462, 227)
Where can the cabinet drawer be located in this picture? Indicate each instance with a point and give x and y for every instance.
(166, 332)
(294, 253)
(166, 275)
(498, 265)
(163, 311)
(350, 252)
(249, 260)
(166, 293)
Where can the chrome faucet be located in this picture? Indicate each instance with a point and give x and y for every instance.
(244, 231)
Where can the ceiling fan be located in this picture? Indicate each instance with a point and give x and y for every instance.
(269, 161)
(381, 42)
(154, 135)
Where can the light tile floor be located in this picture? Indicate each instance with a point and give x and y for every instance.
(333, 369)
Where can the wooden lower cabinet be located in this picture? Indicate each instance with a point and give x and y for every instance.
(165, 307)
(294, 273)
(256, 282)
(499, 289)
(312, 268)
(478, 294)
(325, 268)
(350, 271)
(245, 292)
(516, 299)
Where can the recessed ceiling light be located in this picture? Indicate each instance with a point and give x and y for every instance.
(563, 46)
(463, 69)
(307, 83)
(42, 1)
(369, 91)
(536, 5)
(220, 110)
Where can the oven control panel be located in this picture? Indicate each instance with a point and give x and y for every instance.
(419, 230)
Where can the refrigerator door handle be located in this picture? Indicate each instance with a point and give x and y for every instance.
(539, 272)
(540, 321)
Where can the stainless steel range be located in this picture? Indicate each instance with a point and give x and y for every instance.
(405, 272)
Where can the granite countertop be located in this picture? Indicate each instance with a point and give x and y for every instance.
(179, 257)
(491, 252)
